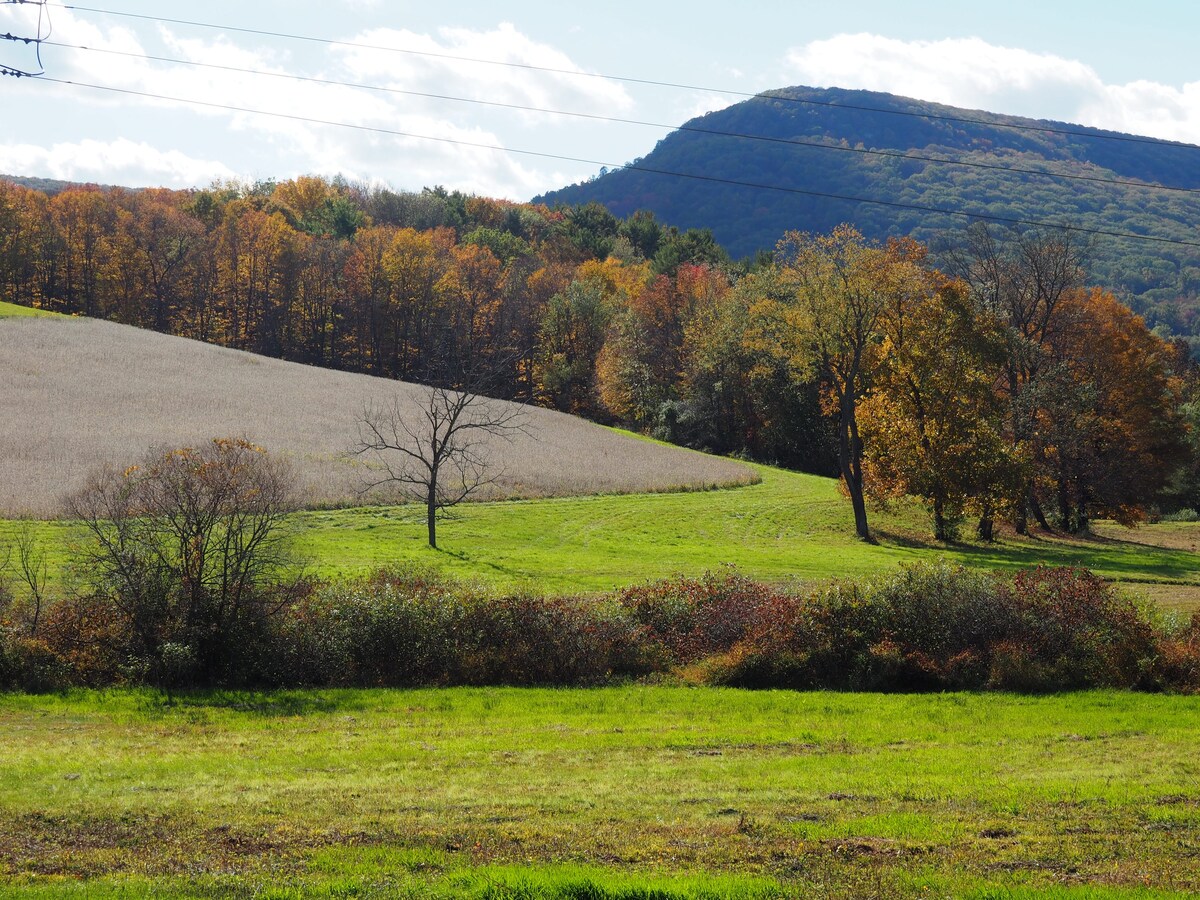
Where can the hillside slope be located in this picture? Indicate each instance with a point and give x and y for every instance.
(746, 220)
(81, 392)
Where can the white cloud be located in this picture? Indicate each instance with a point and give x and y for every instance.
(443, 65)
(298, 140)
(114, 162)
(697, 105)
(971, 73)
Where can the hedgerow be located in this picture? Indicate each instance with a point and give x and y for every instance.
(929, 626)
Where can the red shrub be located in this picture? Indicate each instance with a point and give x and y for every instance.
(690, 618)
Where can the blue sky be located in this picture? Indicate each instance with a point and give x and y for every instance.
(1129, 67)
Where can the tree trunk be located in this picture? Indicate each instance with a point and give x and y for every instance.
(850, 463)
(860, 512)
(940, 531)
(1038, 513)
(431, 519)
(1021, 513)
(986, 529)
(1066, 518)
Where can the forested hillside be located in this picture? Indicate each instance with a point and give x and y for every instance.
(815, 142)
(1002, 388)
(405, 285)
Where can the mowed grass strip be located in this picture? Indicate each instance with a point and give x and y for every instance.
(445, 792)
(789, 527)
(13, 311)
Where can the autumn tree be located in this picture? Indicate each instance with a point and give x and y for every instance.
(163, 240)
(1107, 414)
(83, 220)
(415, 318)
(736, 392)
(932, 423)
(696, 247)
(828, 325)
(573, 331)
(1022, 279)
(25, 242)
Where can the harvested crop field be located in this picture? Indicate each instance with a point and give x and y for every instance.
(80, 393)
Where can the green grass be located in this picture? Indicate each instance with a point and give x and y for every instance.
(12, 311)
(631, 792)
(790, 526)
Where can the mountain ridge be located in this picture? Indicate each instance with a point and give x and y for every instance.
(806, 133)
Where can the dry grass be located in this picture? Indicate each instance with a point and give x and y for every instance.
(80, 393)
(1168, 535)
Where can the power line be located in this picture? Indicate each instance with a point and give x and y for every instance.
(43, 15)
(770, 95)
(794, 142)
(629, 167)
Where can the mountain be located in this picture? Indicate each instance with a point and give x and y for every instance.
(810, 143)
(52, 186)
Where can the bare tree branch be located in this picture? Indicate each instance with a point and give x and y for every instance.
(437, 448)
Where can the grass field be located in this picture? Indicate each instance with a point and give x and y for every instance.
(788, 527)
(13, 311)
(624, 793)
(473, 792)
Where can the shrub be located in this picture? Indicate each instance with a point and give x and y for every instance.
(930, 626)
(937, 624)
(934, 626)
(28, 664)
(410, 626)
(398, 626)
(1181, 515)
(686, 619)
(802, 642)
(526, 639)
(88, 639)
(1178, 663)
(927, 627)
(1077, 631)
(188, 557)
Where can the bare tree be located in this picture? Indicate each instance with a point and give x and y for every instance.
(30, 569)
(437, 448)
(189, 552)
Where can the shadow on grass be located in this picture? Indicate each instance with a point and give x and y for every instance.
(463, 557)
(906, 541)
(272, 704)
(1111, 556)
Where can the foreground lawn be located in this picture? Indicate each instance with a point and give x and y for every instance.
(789, 527)
(599, 793)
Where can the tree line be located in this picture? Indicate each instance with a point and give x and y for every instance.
(1000, 387)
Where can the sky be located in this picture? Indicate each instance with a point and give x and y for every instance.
(420, 100)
